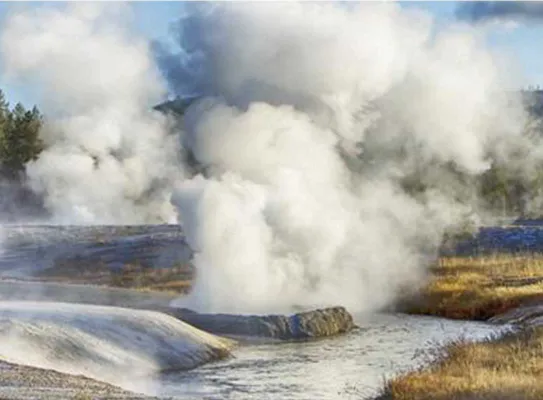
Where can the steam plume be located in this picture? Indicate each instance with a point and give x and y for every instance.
(315, 116)
(317, 125)
(108, 159)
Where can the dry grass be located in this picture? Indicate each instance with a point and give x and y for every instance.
(509, 368)
(477, 288)
(176, 279)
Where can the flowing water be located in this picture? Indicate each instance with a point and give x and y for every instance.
(354, 365)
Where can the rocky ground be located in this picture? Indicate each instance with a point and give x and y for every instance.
(25, 383)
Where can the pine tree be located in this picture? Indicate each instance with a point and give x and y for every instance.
(4, 121)
(34, 145)
(4, 110)
(21, 142)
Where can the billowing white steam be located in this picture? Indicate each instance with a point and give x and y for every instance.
(314, 116)
(316, 112)
(108, 158)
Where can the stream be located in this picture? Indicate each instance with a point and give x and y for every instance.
(354, 365)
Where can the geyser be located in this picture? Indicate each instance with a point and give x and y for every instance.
(332, 147)
(318, 124)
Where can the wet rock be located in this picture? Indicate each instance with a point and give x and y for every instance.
(531, 315)
(305, 325)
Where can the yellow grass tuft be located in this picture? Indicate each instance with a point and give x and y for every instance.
(477, 288)
(509, 367)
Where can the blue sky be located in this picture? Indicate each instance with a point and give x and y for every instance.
(152, 20)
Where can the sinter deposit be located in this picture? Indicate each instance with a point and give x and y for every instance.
(115, 345)
(309, 324)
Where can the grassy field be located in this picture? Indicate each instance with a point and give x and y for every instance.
(509, 368)
(132, 276)
(477, 288)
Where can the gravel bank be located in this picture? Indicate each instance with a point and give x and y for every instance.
(25, 383)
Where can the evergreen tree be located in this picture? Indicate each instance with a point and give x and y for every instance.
(4, 118)
(21, 142)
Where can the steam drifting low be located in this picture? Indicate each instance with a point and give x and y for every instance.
(108, 159)
(312, 119)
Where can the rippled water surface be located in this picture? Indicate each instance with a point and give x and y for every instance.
(352, 366)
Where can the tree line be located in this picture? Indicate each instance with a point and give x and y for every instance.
(20, 141)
